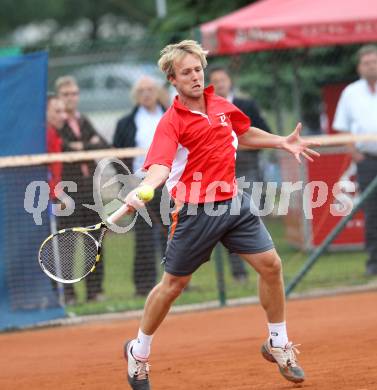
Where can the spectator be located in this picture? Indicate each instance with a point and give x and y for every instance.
(247, 163)
(357, 113)
(55, 117)
(78, 134)
(137, 130)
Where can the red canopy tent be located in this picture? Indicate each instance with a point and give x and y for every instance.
(282, 24)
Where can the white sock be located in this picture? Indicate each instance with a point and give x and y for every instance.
(278, 334)
(141, 346)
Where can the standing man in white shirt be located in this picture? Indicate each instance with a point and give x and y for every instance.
(137, 130)
(357, 113)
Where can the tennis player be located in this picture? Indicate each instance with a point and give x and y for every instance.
(194, 151)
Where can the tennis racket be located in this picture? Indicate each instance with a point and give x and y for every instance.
(69, 255)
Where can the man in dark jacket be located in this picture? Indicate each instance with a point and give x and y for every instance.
(78, 134)
(137, 130)
(247, 164)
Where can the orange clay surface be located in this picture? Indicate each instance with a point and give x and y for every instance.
(217, 349)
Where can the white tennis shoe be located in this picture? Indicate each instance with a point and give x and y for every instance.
(286, 359)
(138, 370)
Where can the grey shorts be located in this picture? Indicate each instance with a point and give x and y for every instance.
(195, 230)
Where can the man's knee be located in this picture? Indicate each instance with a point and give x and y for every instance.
(174, 285)
(271, 266)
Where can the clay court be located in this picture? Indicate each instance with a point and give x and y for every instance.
(217, 349)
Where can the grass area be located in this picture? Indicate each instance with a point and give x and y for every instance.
(333, 269)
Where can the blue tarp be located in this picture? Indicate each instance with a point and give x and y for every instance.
(23, 88)
(26, 294)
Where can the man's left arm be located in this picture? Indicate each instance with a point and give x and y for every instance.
(255, 138)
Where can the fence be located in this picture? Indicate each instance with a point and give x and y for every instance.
(131, 262)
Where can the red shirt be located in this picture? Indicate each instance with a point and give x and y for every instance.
(54, 145)
(199, 148)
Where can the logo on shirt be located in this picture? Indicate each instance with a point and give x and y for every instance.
(222, 118)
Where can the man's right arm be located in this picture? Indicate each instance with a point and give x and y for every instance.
(159, 159)
(156, 176)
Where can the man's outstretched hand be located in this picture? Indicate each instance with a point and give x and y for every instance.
(296, 145)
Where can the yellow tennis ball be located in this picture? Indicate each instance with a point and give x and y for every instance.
(145, 193)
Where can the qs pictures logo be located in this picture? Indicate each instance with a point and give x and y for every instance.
(36, 200)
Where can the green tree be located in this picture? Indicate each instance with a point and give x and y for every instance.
(182, 15)
(67, 12)
(186, 14)
(20, 12)
(140, 13)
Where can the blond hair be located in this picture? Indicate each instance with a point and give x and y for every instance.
(63, 81)
(176, 51)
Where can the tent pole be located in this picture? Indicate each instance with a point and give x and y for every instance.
(296, 90)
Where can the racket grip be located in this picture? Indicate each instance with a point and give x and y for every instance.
(118, 214)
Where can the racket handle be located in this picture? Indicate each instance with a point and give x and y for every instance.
(118, 214)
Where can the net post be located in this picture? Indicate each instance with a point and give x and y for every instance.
(53, 229)
(219, 264)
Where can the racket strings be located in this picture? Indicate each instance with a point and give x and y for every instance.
(69, 255)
